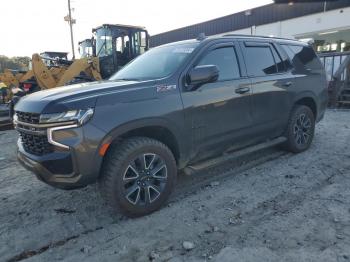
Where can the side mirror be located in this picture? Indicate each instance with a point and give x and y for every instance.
(202, 74)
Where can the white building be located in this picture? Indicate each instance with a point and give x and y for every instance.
(326, 22)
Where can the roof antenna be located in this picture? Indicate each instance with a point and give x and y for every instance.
(201, 36)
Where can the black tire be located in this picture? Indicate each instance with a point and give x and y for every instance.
(300, 129)
(130, 182)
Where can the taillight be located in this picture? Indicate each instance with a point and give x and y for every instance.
(27, 86)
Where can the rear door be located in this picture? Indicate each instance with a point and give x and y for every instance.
(219, 113)
(269, 71)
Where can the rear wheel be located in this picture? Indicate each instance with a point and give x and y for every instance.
(138, 176)
(300, 130)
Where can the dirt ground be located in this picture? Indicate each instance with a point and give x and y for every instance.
(269, 206)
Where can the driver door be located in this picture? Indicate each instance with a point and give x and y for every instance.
(219, 113)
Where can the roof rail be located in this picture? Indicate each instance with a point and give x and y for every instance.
(261, 36)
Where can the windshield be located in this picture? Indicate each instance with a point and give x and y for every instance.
(103, 42)
(156, 63)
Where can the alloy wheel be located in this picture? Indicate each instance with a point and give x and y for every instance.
(145, 179)
(302, 129)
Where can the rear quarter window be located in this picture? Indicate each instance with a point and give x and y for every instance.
(302, 57)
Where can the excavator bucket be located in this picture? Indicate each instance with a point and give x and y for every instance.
(42, 73)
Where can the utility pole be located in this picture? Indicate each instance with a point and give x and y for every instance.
(70, 21)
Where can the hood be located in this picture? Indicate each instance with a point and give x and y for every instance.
(78, 96)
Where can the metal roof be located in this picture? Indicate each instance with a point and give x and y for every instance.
(85, 40)
(120, 26)
(54, 53)
(257, 16)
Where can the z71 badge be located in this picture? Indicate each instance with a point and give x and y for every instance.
(166, 88)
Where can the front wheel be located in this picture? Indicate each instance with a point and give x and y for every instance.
(300, 130)
(138, 176)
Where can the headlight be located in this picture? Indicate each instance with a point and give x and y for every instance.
(79, 116)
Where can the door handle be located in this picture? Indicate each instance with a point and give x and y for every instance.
(287, 84)
(242, 90)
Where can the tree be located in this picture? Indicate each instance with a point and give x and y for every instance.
(14, 63)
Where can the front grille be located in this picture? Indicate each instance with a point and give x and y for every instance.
(33, 136)
(31, 118)
(35, 144)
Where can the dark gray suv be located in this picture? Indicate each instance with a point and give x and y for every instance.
(173, 108)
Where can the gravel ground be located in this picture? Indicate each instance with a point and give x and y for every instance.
(269, 206)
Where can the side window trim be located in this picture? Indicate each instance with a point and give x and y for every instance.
(274, 59)
(280, 50)
(256, 44)
(285, 69)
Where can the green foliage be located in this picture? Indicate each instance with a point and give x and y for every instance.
(14, 63)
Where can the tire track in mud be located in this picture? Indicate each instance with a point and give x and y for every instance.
(6, 163)
(187, 186)
(31, 253)
(279, 205)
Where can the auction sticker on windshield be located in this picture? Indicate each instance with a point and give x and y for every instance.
(183, 50)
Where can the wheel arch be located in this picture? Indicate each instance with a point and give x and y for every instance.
(159, 129)
(309, 100)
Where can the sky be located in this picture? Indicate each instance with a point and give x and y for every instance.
(35, 26)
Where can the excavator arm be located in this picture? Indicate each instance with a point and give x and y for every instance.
(88, 65)
(26, 76)
(54, 77)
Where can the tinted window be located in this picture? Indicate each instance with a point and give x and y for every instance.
(285, 56)
(278, 60)
(225, 59)
(259, 61)
(289, 51)
(302, 56)
(305, 54)
(156, 63)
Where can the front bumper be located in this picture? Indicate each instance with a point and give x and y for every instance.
(70, 181)
(75, 166)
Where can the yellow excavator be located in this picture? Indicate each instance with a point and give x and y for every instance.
(53, 76)
(13, 79)
(111, 48)
(23, 81)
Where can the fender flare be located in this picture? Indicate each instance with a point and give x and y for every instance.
(305, 94)
(182, 144)
(309, 95)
